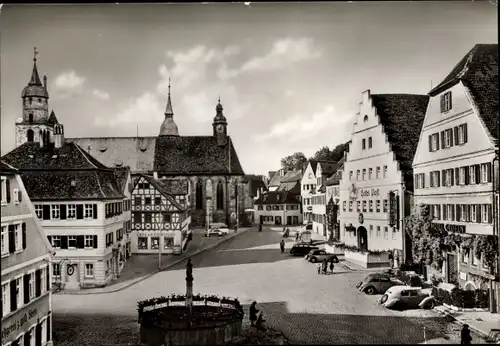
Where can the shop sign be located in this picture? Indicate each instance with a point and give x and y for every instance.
(22, 320)
(370, 192)
(361, 218)
(450, 228)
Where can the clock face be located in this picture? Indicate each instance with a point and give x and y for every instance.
(219, 128)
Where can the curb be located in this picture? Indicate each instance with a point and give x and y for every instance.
(477, 330)
(147, 276)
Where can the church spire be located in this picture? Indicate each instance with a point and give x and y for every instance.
(35, 79)
(169, 127)
(169, 110)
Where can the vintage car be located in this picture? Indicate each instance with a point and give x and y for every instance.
(301, 249)
(377, 283)
(320, 255)
(407, 297)
(217, 230)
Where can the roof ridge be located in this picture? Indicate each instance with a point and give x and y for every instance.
(83, 153)
(99, 184)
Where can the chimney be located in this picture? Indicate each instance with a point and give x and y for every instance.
(89, 148)
(58, 136)
(155, 175)
(45, 82)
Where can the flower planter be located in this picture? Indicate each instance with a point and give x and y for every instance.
(332, 249)
(367, 260)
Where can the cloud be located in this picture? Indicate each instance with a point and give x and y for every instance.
(144, 109)
(69, 83)
(284, 53)
(100, 94)
(303, 127)
(289, 93)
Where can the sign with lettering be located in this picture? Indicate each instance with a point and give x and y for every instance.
(450, 228)
(370, 193)
(361, 218)
(309, 208)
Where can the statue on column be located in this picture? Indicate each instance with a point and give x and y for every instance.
(189, 270)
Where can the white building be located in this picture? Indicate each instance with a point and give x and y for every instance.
(26, 256)
(278, 208)
(453, 165)
(377, 180)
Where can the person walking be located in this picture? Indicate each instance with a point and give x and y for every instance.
(297, 236)
(331, 266)
(253, 313)
(465, 337)
(391, 259)
(325, 266)
(282, 245)
(319, 266)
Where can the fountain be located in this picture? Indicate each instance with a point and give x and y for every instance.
(189, 319)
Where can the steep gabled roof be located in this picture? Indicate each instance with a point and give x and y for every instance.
(334, 179)
(402, 116)
(6, 169)
(161, 189)
(278, 197)
(478, 70)
(314, 164)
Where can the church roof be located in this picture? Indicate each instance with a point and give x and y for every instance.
(66, 173)
(35, 87)
(6, 169)
(121, 175)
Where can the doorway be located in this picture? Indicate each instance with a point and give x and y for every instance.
(362, 238)
(288, 220)
(277, 220)
(452, 266)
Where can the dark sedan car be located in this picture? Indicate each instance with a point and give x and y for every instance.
(302, 249)
(321, 255)
(377, 283)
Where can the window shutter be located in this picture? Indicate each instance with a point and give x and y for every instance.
(457, 176)
(451, 100)
(62, 208)
(467, 213)
(478, 174)
(453, 213)
(431, 176)
(452, 178)
(47, 278)
(455, 134)
(458, 213)
(94, 206)
(443, 177)
(445, 212)
(465, 132)
(488, 171)
(79, 211)
(26, 288)
(437, 140)
(38, 332)
(450, 132)
(478, 213)
(46, 212)
(49, 238)
(437, 182)
(442, 103)
(12, 239)
(48, 328)
(466, 175)
(489, 213)
(64, 242)
(423, 180)
(13, 300)
(80, 241)
(95, 242)
(23, 227)
(38, 283)
(442, 140)
(27, 339)
(430, 143)
(7, 186)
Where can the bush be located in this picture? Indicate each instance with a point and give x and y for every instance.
(415, 281)
(461, 298)
(415, 267)
(482, 299)
(456, 298)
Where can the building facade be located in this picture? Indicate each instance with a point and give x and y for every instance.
(26, 256)
(278, 208)
(161, 215)
(377, 178)
(455, 165)
(307, 187)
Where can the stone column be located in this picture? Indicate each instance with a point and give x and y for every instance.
(189, 288)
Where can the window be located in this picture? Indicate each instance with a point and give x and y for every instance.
(473, 212)
(462, 134)
(463, 212)
(486, 213)
(447, 138)
(386, 205)
(31, 286)
(32, 335)
(385, 171)
(89, 270)
(157, 200)
(39, 211)
(449, 212)
(377, 173)
(370, 142)
(72, 241)
(137, 201)
(19, 293)
(350, 175)
(465, 255)
(435, 142)
(89, 211)
(155, 243)
(71, 211)
(363, 144)
(16, 196)
(147, 200)
(447, 176)
(386, 232)
(344, 206)
(378, 206)
(437, 212)
(484, 173)
(364, 174)
(461, 175)
(472, 174)
(446, 102)
(168, 243)
(43, 280)
(371, 231)
(370, 173)
(142, 243)
(358, 206)
(5, 299)
(3, 191)
(350, 205)
(473, 257)
(18, 237)
(44, 331)
(54, 211)
(378, 231)
(357, 174)
(56, 269)
(370, 206)
(147, 218)
(5, 241)
(364, 206)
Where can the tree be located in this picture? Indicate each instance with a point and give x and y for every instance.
(294, 162)
(325, 154)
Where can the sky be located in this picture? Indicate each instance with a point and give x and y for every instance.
(289, 75)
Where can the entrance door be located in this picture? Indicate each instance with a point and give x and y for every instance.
(295, 220)
(451, 262)
(362, 238)
(288, 220)
(277, 220)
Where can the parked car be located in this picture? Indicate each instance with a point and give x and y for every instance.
(407, 297)
(217, 230)
(301, 249)
(320, 255)
(377, 283)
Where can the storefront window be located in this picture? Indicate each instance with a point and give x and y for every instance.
(155, 243)
(168, 242)
(142, 243)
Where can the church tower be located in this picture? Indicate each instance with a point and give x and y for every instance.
(220, 125)
(35, 117)
(169, 127)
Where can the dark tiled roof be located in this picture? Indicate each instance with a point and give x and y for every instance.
(194, 155)
(53, 119)
(56, 185)
(5, 168)
(402, 116)
(278, 197)
(254, 186)
(293, 187)
(121, 175)
(328, 167)
(334, 179)
(175, 186)
(293, 177)
(162, 188)
(478, 70)
(314, 164)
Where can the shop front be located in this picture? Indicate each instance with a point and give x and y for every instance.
(152, 242)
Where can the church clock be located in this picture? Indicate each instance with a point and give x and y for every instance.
(219, 128)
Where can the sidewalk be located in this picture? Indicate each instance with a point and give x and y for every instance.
(141, 267)
(482, 322)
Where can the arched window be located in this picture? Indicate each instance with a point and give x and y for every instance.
(30, 135)
(220, 196)
(30, 118)
(199, 195)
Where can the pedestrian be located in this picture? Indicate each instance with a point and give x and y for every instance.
(297, 236)
(282, 245)
(391, 259)
(319, 266)
(325, 266)
(253, 313)
(465, 337)
(331, 266)
(397, 259)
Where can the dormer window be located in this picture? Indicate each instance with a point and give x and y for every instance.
(365, 119)
(446, 103)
